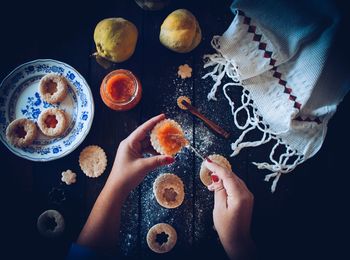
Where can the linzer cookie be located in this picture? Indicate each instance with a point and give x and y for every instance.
(161, 238)
(50, 224)
(169, 190)
(21, 132)
(53, 88)
(168, 138)
(53, 122)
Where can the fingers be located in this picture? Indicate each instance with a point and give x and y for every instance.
(151, 163)
(229, 179)
(216, 183)
(221, 172)
(220, 195)
(142, 131)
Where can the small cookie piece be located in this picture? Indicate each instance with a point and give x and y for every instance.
(21, 132)
(50, 224)
(204, 172)
(161, 238)
(184, 71)
(52, 122)
(53, 88)
(169, 191)
(167, 137)
(179, 101)
(69, 177)
(93, 161)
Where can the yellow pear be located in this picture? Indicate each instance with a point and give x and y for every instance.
(115, 39)
(180, 31)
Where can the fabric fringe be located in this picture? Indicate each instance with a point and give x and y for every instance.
(278, 166)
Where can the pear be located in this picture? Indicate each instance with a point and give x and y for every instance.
(180, 31)
(115, 39)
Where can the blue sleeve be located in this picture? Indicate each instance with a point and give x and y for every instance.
(81, 252)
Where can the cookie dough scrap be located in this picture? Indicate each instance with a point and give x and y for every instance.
(184, 71)
(93, 161)
(161, 238)
(69, 177)
(168, 190)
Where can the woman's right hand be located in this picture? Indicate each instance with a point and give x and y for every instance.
(232, 214)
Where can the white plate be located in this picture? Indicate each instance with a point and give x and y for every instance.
(19, 98)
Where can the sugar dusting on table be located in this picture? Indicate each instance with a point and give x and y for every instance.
(183, 217)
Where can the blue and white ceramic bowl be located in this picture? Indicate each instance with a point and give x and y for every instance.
(19, 98)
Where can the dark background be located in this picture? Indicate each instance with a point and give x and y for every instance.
(306, 218)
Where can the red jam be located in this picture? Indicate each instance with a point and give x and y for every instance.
(171, 139)
(20, 132)
(51, 121)
(121, 90)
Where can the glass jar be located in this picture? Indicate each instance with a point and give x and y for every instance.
(121, 90)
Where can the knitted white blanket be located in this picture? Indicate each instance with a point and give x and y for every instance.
(277, 51)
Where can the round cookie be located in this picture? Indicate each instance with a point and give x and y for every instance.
(169, 191)
(52, 122)
(167, 137)
(21, 132)
(93, 161)
(50, 224)
(53, 88)
(204, 172)
(161, 238)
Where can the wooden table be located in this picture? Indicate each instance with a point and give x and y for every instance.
(302, 219)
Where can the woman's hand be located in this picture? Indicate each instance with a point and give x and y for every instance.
(101, 230)
(130, 167)
(233, 206)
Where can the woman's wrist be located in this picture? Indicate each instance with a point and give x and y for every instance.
(243, 248)
(116, 189)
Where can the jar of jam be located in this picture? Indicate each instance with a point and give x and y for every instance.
(121, 90)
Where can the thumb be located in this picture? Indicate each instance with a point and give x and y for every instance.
(151, 163)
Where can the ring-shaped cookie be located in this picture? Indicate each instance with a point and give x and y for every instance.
(52, 122)
(179, 101)
(169, 191)
(161, 238)
(50, 223)
(53, 88)
(21, 132)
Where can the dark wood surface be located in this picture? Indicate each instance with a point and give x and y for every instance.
(304, 219)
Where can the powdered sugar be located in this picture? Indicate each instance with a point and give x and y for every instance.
(193, 218)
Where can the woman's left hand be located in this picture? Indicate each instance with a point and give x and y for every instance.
(130, 166)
